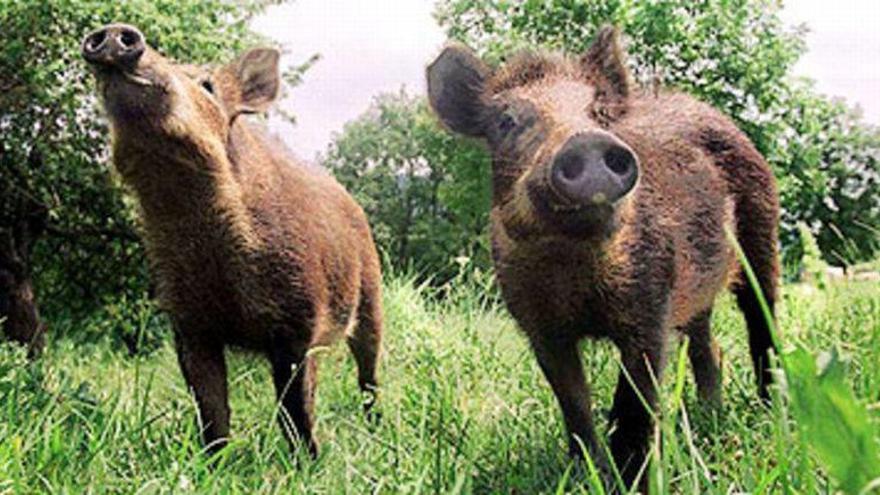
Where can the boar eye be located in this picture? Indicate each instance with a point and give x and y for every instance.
(506, 123)
(207, 86)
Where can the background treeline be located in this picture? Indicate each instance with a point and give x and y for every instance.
(68, 231)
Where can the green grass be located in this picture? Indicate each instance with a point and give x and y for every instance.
(465, 410)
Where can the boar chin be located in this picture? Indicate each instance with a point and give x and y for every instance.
(134, 104)
(136, 96)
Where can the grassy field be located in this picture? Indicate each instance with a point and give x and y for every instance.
(465, 410)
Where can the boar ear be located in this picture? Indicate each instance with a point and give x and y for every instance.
(258, 79)
(604, 64)
(456, 82)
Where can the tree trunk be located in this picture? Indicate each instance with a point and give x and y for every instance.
(19, 317)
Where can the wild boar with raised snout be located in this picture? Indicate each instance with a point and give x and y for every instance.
(248, 248)
(609, 219)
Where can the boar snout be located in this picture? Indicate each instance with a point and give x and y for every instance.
(118, 45)
(592, 169)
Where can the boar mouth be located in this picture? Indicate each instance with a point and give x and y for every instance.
(131, 96)
(541, 198)
(567, 218)
(545, 197)
(137, 78)
(555, 200)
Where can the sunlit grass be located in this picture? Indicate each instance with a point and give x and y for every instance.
(464, 409)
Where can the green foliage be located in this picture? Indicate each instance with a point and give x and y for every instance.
(53, 144)
(813, 266)
(831, 420)
(736, 55)
(426, 193)
(829, 176)
(465, 409)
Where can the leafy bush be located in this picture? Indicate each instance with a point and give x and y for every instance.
(426, 193)
(814, 267)
(828, 166)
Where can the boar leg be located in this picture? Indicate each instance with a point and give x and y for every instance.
(294, 375)
(757, 219)
(760, 338)
(365, 343)
(635, 401)
(204, 369)
(705, 358)
(561, 363)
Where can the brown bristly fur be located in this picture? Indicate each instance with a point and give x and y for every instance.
(643, 269)
(248, 248)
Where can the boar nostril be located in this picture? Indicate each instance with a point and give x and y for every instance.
(94, 42)
(619, 160)
(129, 38)
(572, 169)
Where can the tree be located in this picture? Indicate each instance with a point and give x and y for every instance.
(736, 55)
(830, 179)
(426, 193)
(61, 210)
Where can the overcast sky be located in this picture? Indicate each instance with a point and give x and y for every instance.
(373, 46)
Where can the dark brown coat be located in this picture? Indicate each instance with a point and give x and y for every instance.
(248, 247)
(635, 268)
